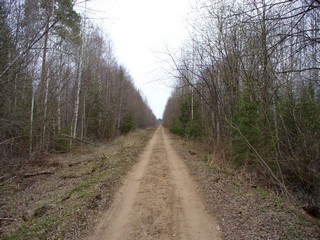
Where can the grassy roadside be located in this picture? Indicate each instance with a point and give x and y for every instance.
(243, 210)
(66, 202)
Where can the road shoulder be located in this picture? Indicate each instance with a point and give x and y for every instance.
(67, 201)
(243, 211)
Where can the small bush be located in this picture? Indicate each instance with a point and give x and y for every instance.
(61, 145)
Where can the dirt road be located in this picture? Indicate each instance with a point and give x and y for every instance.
(158, 201)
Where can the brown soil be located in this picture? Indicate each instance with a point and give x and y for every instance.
(158, 200)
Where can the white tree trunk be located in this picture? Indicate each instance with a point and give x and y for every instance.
(77, 102)
(31, 119)
(59, 90)
(120, 107)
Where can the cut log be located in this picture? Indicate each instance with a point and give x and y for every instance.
(27, 175)
(79, 140)
(8, 219)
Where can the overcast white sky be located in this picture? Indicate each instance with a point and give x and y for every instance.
(140, 31)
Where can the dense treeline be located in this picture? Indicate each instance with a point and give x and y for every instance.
(249, 81)
(59, 77)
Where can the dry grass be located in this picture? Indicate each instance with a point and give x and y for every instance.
(244, 209)
(65, 204)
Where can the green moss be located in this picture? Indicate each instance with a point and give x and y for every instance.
(205, 158)
(262, 192)
(37, 228)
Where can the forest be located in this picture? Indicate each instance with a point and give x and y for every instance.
(60, 82)
(247, 84)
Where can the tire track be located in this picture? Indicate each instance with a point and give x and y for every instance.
(158, 201)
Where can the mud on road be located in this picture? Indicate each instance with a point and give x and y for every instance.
(158, 200)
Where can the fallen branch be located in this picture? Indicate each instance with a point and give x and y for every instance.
(8, 140)
(301, 213)
(8, 219)
(3, 183)
(27, 175)
(79, 140)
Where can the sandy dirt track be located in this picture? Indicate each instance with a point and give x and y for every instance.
(158, 200)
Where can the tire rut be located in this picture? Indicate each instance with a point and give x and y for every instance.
(158, 201)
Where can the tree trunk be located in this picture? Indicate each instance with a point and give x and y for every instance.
(120, 106)
(43, 91)
(77, 102)
(31, 119)
(43, 85)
